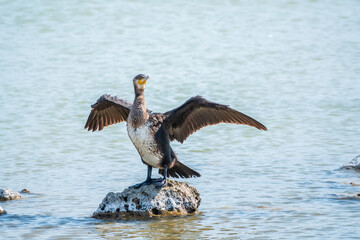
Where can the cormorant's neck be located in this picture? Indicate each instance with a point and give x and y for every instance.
(139, 92)
(138, 112)
(139, 98)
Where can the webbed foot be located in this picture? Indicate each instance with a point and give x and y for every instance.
(146, 182)
(160, 182)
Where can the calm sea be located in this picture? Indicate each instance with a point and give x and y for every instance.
(292, 65)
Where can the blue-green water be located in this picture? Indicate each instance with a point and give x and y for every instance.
(292, 65)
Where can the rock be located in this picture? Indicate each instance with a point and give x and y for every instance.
(354, 164)
(8, 194)
(25, 191)
(2, 211)
(174, 199)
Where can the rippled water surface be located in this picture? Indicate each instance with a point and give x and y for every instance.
(292, 65)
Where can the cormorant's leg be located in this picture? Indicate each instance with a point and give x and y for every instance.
(148, 180)
(162, 181)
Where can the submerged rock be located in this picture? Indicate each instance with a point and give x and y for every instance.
(25, 191)
(8, 194)
(2, 211)
(176, 198)
(354, 164)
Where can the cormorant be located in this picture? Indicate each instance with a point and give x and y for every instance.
(151, 133)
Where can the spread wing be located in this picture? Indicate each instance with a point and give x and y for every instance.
(197, 113)
(106, 111)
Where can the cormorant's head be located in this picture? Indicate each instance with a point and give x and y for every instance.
(140, 81)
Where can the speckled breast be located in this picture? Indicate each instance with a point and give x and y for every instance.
(145, 144)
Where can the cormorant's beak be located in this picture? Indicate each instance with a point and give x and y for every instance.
(143, 81)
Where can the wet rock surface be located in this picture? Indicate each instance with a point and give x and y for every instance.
(354, 164)
(174, 199)
(354, 184)
(2, 211)
(25, 191)
(8, 194)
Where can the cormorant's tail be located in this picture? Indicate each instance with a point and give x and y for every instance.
(180, 170)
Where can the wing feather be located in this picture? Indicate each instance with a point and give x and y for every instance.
(197, 113)
(96, 123)
(101, 123)
(106, 119)
(107, 111)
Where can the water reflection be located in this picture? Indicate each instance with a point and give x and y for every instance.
(167, 228)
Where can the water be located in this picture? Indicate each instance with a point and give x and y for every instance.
(292, 65)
